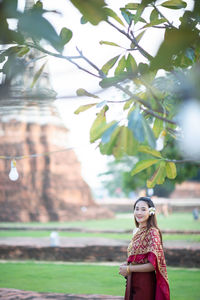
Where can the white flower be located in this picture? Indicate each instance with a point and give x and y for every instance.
(152, 211)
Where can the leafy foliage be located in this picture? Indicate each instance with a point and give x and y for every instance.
(151, 101)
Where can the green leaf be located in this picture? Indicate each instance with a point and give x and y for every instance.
(37, 75)
(110, 81)
(157, 127)
(175, 41)
(108, 132)
(99, 125)
(108, 147)
(158, 176)
(125, 143)
(65, 35)
(131, 65)
(121, 66)
(154, 15)
(107, 66)
(92, 10)
(174, 4)
(139, 12)
(142, 165)
(128, 17)
(147, 149)
(171, 170)
(138, 38)
(82, 92)
(42, 28)
(128, 104)
(112, 14)
(132, 6)
(149, 133)
(155, 22)
(83, 20)
(135, 124)
(83, 108)
(22, 51)
(109, 43)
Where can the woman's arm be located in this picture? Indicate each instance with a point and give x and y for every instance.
(124, 270)
(148, 267)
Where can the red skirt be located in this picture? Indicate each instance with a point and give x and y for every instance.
(141, 286)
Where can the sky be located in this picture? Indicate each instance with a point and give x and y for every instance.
(66, 78)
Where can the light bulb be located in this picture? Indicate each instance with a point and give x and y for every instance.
(13, 175)
(160, 141)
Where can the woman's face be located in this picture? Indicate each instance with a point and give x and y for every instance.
(141, 213)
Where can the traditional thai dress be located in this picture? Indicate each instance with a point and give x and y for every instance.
(146, 247)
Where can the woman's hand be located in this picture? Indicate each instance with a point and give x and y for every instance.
(123, 270)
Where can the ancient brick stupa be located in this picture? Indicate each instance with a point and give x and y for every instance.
(50, 187)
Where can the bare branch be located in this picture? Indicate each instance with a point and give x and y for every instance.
(68, 58)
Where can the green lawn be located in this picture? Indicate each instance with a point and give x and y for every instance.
(88, 279)
(181, 221)
(119, 236)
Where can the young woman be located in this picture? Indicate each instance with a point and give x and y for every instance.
(145, 270)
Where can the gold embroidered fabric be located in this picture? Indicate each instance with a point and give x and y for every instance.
(148, 241)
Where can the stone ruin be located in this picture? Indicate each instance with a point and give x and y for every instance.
(49, 188)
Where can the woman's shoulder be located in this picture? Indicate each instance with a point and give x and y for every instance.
(154, 230)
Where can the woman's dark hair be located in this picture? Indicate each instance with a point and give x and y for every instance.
(152, 221)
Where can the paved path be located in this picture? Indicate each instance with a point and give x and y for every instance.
(13, 294)
(86, 241)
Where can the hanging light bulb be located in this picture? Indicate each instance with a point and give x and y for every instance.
(160, 141)
(13, 175)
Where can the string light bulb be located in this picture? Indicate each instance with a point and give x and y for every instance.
(13, 175)
(160, 140)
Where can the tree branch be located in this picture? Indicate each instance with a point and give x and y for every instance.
(133, 40)
(68, 58)
(152, 113)
(161, 14)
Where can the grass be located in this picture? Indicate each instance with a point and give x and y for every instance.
(179, 221)
(119, 236)
(88, 279)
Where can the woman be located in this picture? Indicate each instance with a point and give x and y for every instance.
(145, 272)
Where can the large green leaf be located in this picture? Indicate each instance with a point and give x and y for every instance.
(143, 164)
(108, 147)
(135, 124)
(125, 143)
(92, 10)
(42, 28)
(149, 133)
(175, 42)
(108, 132)
(174, 4)
(171, 170)
(158, 176)
(107, 66)
(147, 149)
